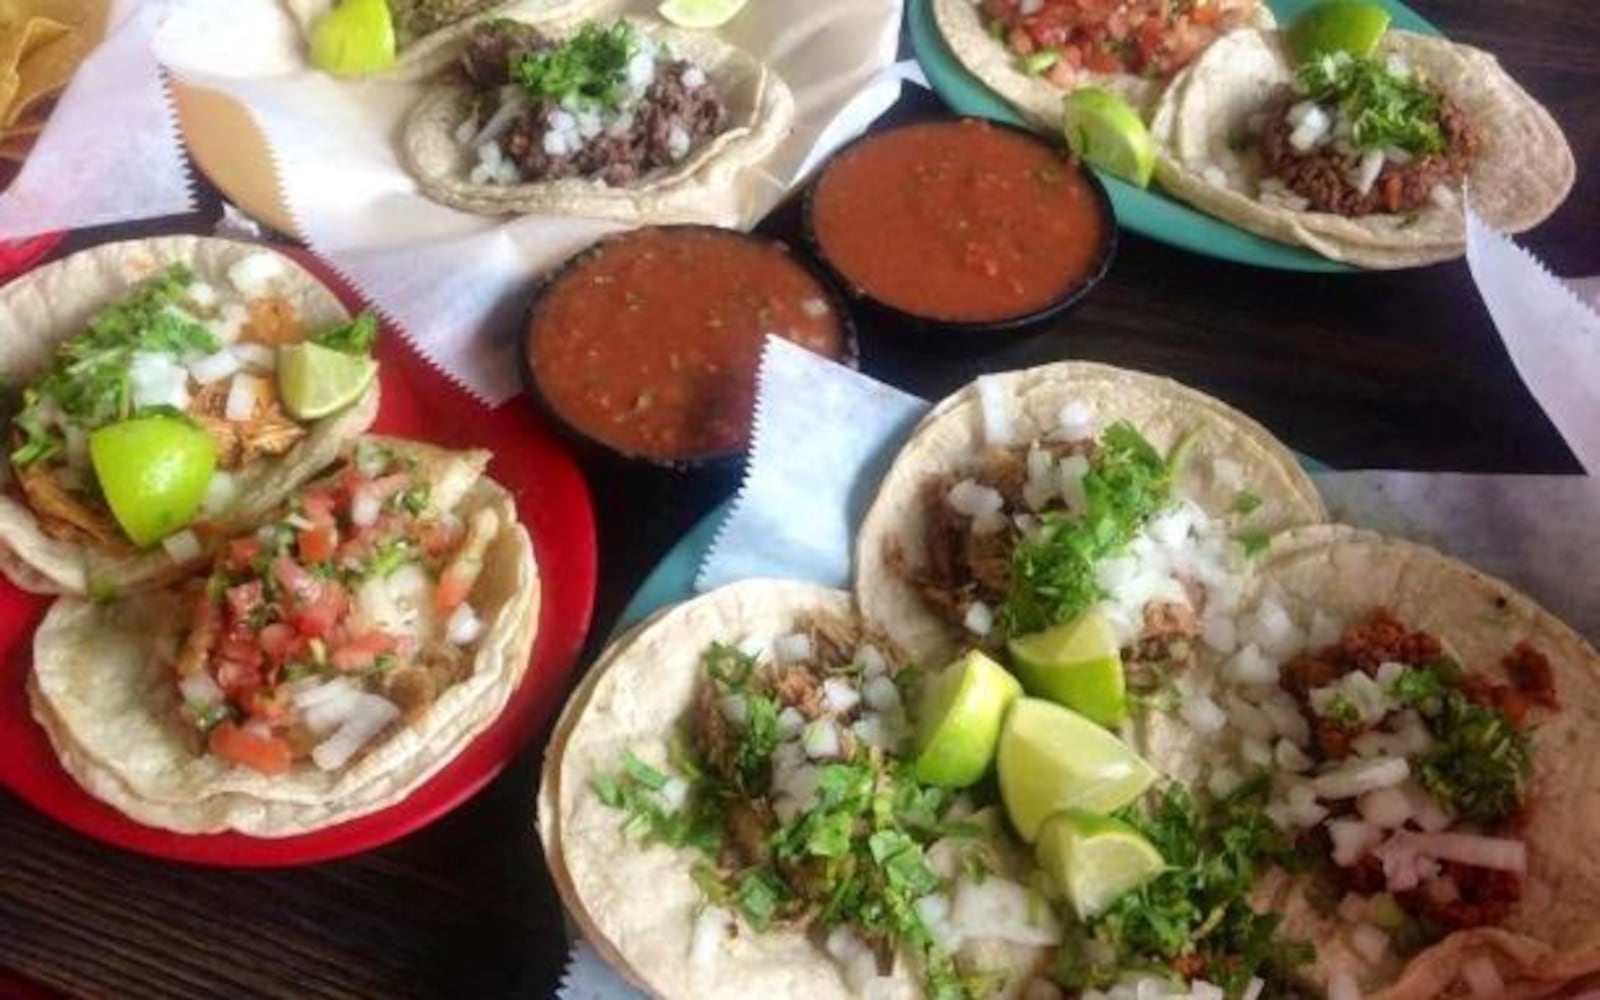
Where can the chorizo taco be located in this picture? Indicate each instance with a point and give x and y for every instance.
(1033, 53)
(329, 662)
(406, 39)
(162, 356)
(655, 127)
(1032, 498)
(1418, 727)
(706, 811)
(1362, 159)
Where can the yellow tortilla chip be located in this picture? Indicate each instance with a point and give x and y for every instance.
(46, 67)
(17, 147)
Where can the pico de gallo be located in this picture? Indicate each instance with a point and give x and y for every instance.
(351, 612)
(1060, 40)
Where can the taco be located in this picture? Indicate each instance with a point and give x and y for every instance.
(1029, 499)
(406, 39)
(327, 665)
(1032, 53)
(653, 129)
(1420, 729)
(1360, 159)
(691, 786)
(185, 331)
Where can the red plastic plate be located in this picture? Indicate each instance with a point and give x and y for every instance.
(17, 256)
(553, 500)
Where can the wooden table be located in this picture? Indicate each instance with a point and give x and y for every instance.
(1399, 370)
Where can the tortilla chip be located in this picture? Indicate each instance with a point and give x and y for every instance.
(45, 69)
(17, 147)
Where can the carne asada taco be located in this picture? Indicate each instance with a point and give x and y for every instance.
(1421, 730)
(406, 39)
(328, 664)
(654, 128)
(1030, 498)
(1360, 159)
(1032, 53)
(146, 405)
(726, 813)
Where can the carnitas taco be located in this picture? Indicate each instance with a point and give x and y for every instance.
(328, 663)
(406, 39)
(729, 809)
(1362, 159)
(147, 409)
(1032, 52)
(1415, 729)
(622, 119)
(1032, 498)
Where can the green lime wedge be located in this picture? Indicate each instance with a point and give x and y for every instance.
(1077, 665)
(1105, 130)
(316, 381)
(1095, 860)
(700, 13)
(154, 472)
(1352, 26)
(958, 720)
(354, 38)
(1052, 758)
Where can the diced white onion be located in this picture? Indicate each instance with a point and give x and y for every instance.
(1224, 781)
(329, 706)
(1284, 714)
(970, 499)
(258, 728)
(182, 546)
(860, 972)
(244, 392)
(1075, 422)
(932, 908)
(674, 793)
(871, 660)
(693, 77)
(1203, 715)
(1255, 752)
(735, 709)
(199, 689)
(158, 380)
(1247, 718)
(790, 722)
(1290, 758)
(1000, 909)
(256, 356)
(842, 944)
(792, 648)
(979, 619)
(711, 927)
(1369, 942)
(1252, 989)
(365, 508)
(201, 294)
(1343, 986)
(1072, 471)
(1389, 808)
(677, 142)
(1360, 777)
(995, 406)
(1473, 850)
(498, 122)
(1481, 977)
(1366, 173)
(841, 696)
(463, 626)
(881, 693)
(821, 740)
(1426, 812)
(214, 367)
(370, 716)
(1312, 128)
(1352, 838)
(255, 274)
(1202, 990)
(1249, 666)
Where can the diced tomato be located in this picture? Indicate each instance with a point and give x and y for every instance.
(238, 678)
(317, 618)
(319, 542)
(321, 503)
(390, 485)
(1101, 61)
(362, 651)
(296, 581)
(271, 708)
(279, 641)
(1062, 73)
(1205, 13)
(455, 583)
(438, 537)
(267, 754)
(241, 553)
(1022, 43)
(244, 600)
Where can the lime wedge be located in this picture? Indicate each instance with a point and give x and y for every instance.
(154, 472)
(316, 381)
(353, 38)
(700, 13)
(1105, 130)
(1352, 26)
(1052, 758)
(1077, 665)
(958, 720)
(1095, 860)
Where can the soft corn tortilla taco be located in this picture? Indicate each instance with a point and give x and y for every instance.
(997, 64)
(1208, 124)
(130, 709)
(978, 455)
(1374, 599)
(445, 152)
(53, 541)
(428, 32)
(647, 696)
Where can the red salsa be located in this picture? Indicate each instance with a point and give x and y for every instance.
(650, 343)
(959, 221)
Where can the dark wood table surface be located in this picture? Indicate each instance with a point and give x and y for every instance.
(1398, 370)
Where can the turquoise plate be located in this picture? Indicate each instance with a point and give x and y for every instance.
(1148, 213)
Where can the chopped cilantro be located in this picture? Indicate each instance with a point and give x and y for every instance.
(413, 501)
(1478, 765)
(589, 69)
(643, 773)
(760, 737)
(1246, 503)
(355, 337)
(1053, 577)
(391, 553)
(636, 792)
(759, 895)
(727, 664)
(1385, 109)
(1254, 542)
(1342, 710)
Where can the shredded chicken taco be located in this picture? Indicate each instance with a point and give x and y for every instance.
(1032, 52)
(145, 411)
(1363, 159)
(622, 120)
(1030, 498)
(327, 664)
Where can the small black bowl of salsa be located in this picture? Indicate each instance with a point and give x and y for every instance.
(965, 225)
(648, 343)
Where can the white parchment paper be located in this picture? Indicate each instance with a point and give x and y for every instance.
(110, 152)
(454, 281)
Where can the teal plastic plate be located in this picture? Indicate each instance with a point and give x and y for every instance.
(1146, 212)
